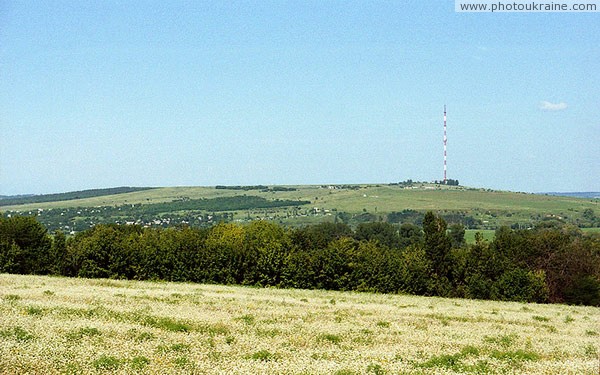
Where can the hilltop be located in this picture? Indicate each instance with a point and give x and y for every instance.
(295, 205)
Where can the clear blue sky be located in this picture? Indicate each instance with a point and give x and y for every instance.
(100, 94)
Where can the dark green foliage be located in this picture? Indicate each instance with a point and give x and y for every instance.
(584, 291)
(384, 234)
(320, 235)
(456, 232)
(415, 271)
(437, 245)
(58, 252)
(25, 246)
(265, 248)
(555, 264)
(235, 203)
(103, 252)
(255, 187)
(520, 285)
(406, 216)
(333, 264)
(410, 234)
(10, 257)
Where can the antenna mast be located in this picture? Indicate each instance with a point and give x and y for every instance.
(445, 140)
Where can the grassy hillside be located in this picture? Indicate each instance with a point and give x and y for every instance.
(487, 209)
(58, 325)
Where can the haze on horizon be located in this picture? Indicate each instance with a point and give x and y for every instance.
(106, 94)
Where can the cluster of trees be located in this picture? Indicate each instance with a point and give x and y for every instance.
(233, 203)
(448, 181)
(547, 264)
(262, 188)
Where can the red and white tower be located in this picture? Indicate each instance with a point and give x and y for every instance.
(445, 141)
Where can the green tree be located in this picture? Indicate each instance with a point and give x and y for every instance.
(266, 246)
(521, 285)
(456, 232)
(415, 271)
(437, 244)
(103, 251)
(32, 241)
(334, 264)
(385, 234)
(320, 235)
(58, 253)
(410, 234)
(225, 246)
(10, 256)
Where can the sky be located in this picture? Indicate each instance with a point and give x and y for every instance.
(97, 94)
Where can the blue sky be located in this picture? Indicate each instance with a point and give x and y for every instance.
(100, 94)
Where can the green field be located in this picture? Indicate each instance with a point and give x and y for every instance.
(487, 209)
(60, 325)
(488, 235)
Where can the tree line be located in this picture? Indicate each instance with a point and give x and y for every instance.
(551, 263)
(82, 194)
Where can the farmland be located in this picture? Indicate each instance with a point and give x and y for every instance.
(74, 325)
(309, 204)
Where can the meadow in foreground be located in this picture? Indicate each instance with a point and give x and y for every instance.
(63, 325)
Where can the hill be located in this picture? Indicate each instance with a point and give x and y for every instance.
(308, 204)
(64, 325)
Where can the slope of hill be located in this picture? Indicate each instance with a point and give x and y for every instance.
(307, 204)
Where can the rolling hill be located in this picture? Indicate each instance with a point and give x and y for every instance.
(303, 204)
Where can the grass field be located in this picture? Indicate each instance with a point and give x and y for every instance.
(488, 235)
(61, 325)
